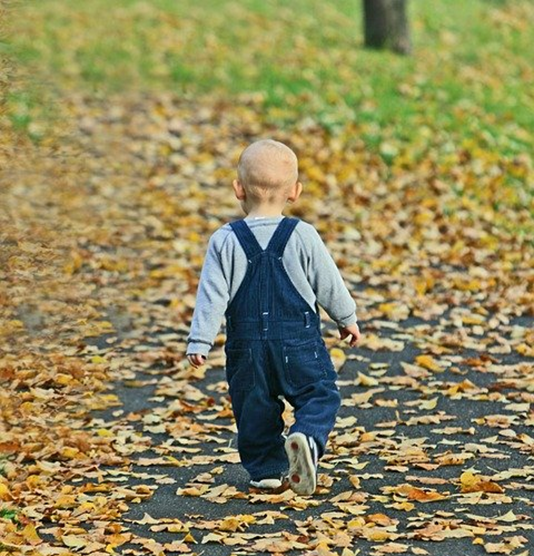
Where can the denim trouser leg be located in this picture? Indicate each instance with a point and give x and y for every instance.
(309, 385)
(260, 371)
(257, 410)
(315, 412)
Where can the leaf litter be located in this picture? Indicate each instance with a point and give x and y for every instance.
(103, 235)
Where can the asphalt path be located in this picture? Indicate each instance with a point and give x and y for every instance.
(465, 416)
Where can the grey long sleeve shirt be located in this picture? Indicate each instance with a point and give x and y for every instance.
(306, 260)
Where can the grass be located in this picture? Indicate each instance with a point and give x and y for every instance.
(468, 85)
(301, 56)
(8, 513)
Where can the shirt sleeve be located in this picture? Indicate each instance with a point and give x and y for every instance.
(327, 283)
(211, 303)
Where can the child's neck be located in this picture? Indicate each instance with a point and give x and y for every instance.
(264, 212)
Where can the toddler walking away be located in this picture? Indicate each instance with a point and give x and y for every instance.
(268, 274)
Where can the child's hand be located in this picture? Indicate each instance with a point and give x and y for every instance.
(353, 331)
(196, 360)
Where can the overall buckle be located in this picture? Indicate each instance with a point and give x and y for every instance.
(264, 321)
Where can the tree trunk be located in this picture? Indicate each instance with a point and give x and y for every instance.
(386, 25)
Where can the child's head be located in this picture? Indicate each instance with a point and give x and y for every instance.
(267, 174)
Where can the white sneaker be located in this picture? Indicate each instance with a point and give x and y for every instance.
(274, 486)
(302, 453)
(267, 483)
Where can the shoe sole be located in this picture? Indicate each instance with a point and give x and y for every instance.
(302, 473)
(259, 490)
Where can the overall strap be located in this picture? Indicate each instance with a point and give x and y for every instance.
(281, 235)
(246, 238)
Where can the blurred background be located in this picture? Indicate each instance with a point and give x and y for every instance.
(122, 123)
(469, 76)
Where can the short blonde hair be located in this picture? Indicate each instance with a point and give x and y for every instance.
(267, 169)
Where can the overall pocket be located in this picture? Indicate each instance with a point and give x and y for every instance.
(303, 362)
(239, 369)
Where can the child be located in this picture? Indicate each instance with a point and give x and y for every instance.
(267, 274)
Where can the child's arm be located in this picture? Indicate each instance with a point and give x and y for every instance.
(211, 302)
(330, 289)
(352, 330)
(196, 360)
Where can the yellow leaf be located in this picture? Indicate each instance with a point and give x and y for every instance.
(63, 379)
(361, 465)
(379, 519)
(233, 523)
(173, 460)
(471, 483)
(428, 362)
(230, 523)
(32, 481)
(74, 264)
(4, 492)
(468, 479)
(66, 501)
(356, 522)
(189, 538)
(364, 380)
(467, 285)
(338, 358)
(69, 453)
(212, 537)
(376, 534)
(30, 534)
(73, 541)
(429, 404)
(525, 350)
(404, 506)
(507, 517)
(394, 311)
(85, 507)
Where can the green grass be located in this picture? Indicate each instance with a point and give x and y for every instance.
(8, 513)
(470, 74)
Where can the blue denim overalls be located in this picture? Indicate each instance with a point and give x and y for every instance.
(274, 348)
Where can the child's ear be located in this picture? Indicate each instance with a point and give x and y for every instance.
(239, 190)
(295, 192)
